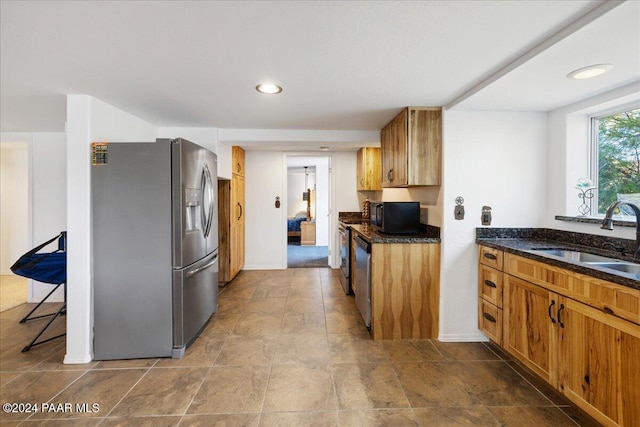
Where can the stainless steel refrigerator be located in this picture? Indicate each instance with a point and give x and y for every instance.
(155, 247)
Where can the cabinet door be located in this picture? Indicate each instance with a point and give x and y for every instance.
(529, 326)
(425, 146)
(237, 199)
(237, 160)
(600, 363)
(236, 261)
(368, 169)
(400, 150)
(386, 149)
(360, 172)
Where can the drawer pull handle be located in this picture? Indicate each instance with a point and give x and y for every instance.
(608, 310)
(549, 311)
(490, 256)
(489, 317)
(490, 284)
(559, 313)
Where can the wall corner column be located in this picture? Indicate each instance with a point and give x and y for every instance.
(79, 271)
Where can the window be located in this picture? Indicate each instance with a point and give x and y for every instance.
(616, 159)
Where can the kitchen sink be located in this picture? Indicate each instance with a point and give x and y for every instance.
(625, 267)
(592, 260)
(575, 255)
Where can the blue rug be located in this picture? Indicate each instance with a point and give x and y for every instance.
(307, 256)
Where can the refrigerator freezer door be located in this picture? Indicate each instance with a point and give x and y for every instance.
(195, 299)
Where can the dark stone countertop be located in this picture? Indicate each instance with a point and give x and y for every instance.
(430, 234)
(349, 216)
(525, 241)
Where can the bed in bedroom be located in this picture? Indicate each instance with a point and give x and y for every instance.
(293, 224)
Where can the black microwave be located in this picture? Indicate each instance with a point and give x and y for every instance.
(396, 217)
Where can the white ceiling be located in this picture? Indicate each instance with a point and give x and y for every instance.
(343, 65)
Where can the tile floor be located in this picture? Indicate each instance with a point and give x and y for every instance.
(287, 348)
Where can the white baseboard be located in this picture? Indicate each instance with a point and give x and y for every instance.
(77, 359)
(479, 337)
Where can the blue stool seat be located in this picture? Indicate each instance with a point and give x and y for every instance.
(49, 268)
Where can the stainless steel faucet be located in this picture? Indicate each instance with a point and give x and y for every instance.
(607, 222)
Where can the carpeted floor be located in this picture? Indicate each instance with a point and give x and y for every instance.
(307, 256)
(13, 291)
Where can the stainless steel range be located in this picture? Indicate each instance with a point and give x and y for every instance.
(346, 256)
(344, 237)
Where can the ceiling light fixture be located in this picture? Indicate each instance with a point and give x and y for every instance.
(269, 88)
(590, 71)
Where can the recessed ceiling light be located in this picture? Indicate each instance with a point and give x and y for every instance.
(590, 71)
(268, 88)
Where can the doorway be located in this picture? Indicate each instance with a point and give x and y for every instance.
(14, 220)
(308, 190)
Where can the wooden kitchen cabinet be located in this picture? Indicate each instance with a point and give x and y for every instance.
(411, 148)
(237, 159)
(618, 300)
(405, 290)
(592, 357)
(369, 169)
(600, 363)
(529, 326)
(236, 258)
(237, 199)
(231, 223)
(577, 332)
(490, 291)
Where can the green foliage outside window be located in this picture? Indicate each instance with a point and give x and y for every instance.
(618, 158)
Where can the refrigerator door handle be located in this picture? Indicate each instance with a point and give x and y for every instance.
(204, 267)
(207, 190)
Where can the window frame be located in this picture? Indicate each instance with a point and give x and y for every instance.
(593, 149)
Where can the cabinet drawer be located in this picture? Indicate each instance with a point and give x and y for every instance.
(490, 321)
(490, 285)
(491, 257)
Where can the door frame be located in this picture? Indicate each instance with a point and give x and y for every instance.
(331, 223)
(26, 138)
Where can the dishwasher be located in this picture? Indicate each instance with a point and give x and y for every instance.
(363, 279)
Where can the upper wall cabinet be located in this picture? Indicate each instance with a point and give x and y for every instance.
(411, 147)
(369, 171)
(237, 158)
